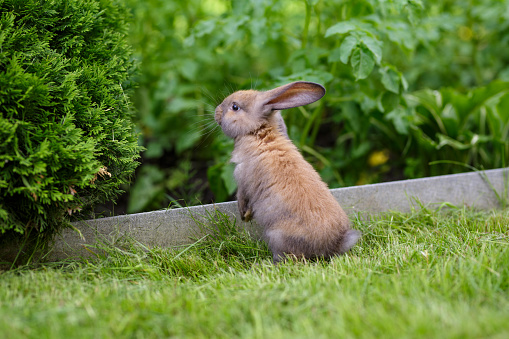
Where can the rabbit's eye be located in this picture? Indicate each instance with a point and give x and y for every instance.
(235, 107)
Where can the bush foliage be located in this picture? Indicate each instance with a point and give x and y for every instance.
(66, 136)
(409, 83)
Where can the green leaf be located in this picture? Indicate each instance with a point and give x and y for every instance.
(388, 101)
(340, 28)
(228, 178)
(503, 108)
(216, 183)
(390, 79)
(351, 113)
(430, 99)
(346, 48)
(187, 140)
(362, 63)
(154, 150)
(221, 180)
(451, 120)
(335, 55)
(447, 141)
(189, 69)
(362, 149)
(399, 118)
(404, 83)
(204, 27)
(310, 75)
(374, 46)
(146, 189)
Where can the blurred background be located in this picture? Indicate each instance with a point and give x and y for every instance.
(414, 88)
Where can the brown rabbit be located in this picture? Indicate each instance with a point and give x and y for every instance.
(276, 186)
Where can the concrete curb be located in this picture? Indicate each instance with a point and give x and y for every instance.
(176, 226)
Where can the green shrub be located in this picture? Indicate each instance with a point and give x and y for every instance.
(66, 136)
(399, 75)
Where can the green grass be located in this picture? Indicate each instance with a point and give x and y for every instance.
(426, 274)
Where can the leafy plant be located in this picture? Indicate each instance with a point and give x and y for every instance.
(399, 76)
(66, 137)
(472, 128)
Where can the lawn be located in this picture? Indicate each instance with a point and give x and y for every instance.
(424, 274)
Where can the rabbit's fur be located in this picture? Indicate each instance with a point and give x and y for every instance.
(276, 186)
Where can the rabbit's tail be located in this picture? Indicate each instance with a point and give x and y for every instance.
(349, 239)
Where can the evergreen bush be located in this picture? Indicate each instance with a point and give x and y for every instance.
(66, 136)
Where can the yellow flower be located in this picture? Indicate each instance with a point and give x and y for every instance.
(465, 33)
(378, 158)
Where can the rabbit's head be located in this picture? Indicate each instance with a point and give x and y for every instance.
(244, 112)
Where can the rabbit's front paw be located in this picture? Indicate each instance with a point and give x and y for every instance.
(247, 216)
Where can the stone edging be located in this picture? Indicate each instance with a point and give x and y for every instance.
(176, 227)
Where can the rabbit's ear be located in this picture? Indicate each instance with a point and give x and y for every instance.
(295, 94)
